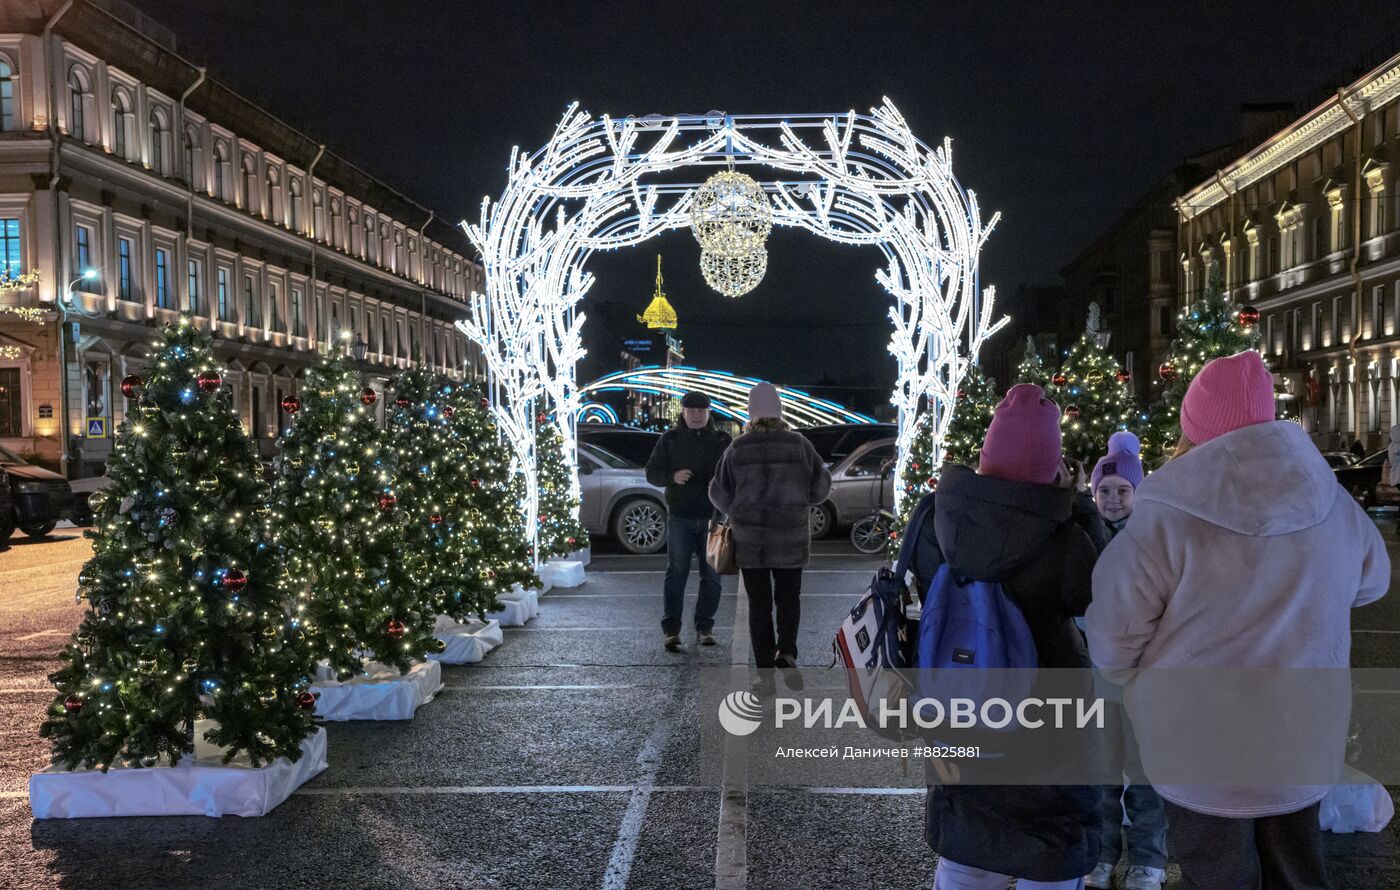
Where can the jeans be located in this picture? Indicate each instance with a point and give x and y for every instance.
(952, 876)
(1273, 852)
(686, 538)
(1147, 817)
(765, 588)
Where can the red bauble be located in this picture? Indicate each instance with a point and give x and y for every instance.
(435, 519)
(476, 483)
(306, 700)
(931, 482)
(962, 393)
(1249, 316)
(448, 411)
(235, 580)
(573, 541)
(485, 403)
(132, 386)
(1167, 371)
(395, 629)
(1059, 380)
(291, 404)
(387, 502)
(209, 381)
(540, 418)
(1122, 376)
(368, 396)
(402, 401)
(1072, 412)
(72, 704)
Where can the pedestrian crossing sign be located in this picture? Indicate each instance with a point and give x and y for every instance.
(97, 427)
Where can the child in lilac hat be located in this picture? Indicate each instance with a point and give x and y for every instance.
(1116, 477)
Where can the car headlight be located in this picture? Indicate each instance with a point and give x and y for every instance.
(29, 487)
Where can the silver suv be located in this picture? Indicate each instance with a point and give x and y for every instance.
(619, 502)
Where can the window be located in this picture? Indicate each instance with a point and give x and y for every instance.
(274, 315)
(1273, 255)
(252, 314)
(225, 311)
(270, 208)
(386, 345)
(77, 102)
(335, 320)
(122, 126)
(11, 403)
(163, 278)
(250, 181)
(1377, 307)
(294, 197)
(1373, 400)
(196, 274)
(160, 140)
(7, 95)
(189, 160)
(220, 172)
(1164, 320)
(367, 249)
(82, 256)
(1267, 347)
(1315, 329)
(1295, 340)
(298, 326)
(321, 318)
(11, 257)
(258, 431)
(124, 290)
(354, 322)
(333, 234)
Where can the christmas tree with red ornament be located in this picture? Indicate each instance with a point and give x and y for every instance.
(560, 532)
(1211, 327)
(1091, 389)
(972, 414)
(341, 527)
(185, 620)
(918, 479)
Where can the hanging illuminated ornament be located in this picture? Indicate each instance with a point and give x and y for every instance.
(387, 502)
(209, 381)
(1059, 380)
(132, 386)
(291, 404)
(659, 315)
(235, 580)
(1072, 412)
(306, 700)
(1167, 371)
(731, 215)
(402, 402)
(368, 396)
(1122, 376)
(1249, 316)
(733, 276)
(395, 629)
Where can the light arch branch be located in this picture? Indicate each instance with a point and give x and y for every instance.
(601, 184)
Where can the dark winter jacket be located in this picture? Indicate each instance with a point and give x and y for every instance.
(682, 448)
(766, 484)
(1034, 540)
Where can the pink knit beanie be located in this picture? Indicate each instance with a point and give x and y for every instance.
(1023, 441)
(1228, 393)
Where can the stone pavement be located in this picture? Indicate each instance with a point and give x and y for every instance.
(568, 759)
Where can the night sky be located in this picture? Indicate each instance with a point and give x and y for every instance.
(1061, 115)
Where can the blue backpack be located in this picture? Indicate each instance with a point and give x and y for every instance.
(974, 642)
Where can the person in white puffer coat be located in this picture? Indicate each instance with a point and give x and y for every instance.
(1219, 570)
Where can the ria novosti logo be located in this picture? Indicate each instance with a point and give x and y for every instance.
(740, 713)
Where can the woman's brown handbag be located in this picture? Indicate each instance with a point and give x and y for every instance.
(719, 549)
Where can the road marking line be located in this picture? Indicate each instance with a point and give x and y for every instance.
(1355, 631)
(630, 831)
(731, 840)
(490, 789)
(563, 687)
(628, 628)
(44, 633)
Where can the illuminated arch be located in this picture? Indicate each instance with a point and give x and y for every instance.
(728, 393)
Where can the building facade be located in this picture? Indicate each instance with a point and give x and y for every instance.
(140, 191)
(1305, 227)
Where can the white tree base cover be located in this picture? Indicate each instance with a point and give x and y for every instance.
(584, 556)
(200, 785)
(382, 693)
(518, 606)
(563, 573)
(466, 643)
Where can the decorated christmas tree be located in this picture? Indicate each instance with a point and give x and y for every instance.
(1092, 392)
(919, 476)
(1211, 327)
(464, 520)
(185, 619)
(560, 532)
(1032, 369)
(972, 414)
(340, 527)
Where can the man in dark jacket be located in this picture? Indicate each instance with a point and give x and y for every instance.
(684, 462)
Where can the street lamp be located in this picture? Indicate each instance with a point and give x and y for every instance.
(66, 304)
(358, 349)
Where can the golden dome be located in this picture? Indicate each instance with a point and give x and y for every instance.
(659, 316)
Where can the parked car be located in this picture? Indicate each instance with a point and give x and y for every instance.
(1368, 480)
(619, 502)
(856, 484)
(39, 497)
(1336, 459)
(840, 440)
(82, 490)
(630, 444)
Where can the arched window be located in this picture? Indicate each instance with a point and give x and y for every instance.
(384, 246)
(122, 124)
(77, 103)
(8, 118)
(160, 140)
(250, 182)
(369, 250)
(398, 258)
(191, 156)
(333, 233)
(294, 198)
(221, 171)
(352, 229)
(270, 208)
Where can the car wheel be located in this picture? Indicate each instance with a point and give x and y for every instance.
(38, 531)
(639, 525)
(1365, 495)
(821, 521)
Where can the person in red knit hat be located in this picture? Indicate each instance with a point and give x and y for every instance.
(1243, 553)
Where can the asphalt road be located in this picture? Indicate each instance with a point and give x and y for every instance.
(568, 759)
